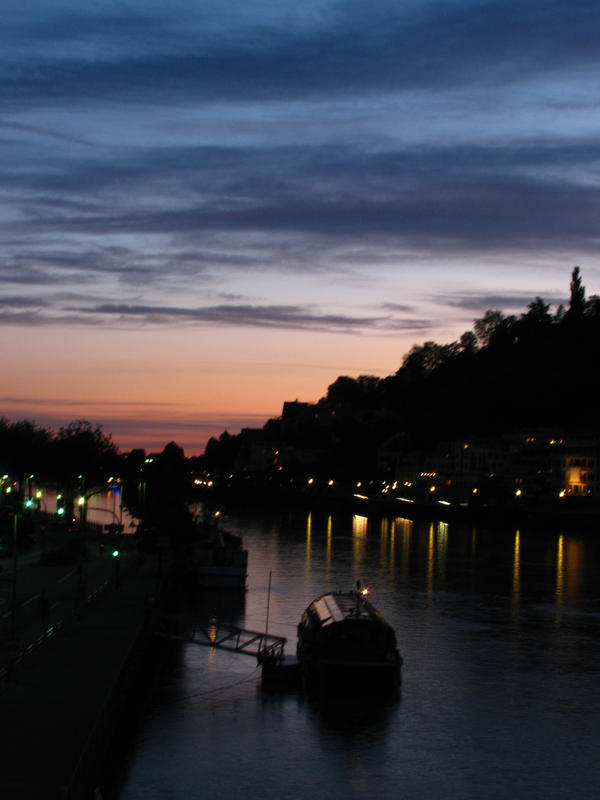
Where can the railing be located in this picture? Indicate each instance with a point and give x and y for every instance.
(28, 649)
(238, 640)
(33, 645)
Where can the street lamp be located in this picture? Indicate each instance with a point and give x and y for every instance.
(116, 556)
(81, 502)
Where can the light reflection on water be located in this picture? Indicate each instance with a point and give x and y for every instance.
(498, 631)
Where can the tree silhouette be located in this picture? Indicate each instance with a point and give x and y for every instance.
(168, 486)
(577, 300)
(82, 449)
(538, 312)
(24, 449)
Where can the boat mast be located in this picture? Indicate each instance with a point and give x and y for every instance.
(268, 604)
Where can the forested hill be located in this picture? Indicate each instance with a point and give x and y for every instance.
(507, 374)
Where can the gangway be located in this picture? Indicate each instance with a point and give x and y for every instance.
(223, 636)
(237, 640)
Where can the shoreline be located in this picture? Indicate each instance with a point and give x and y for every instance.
(538, 515)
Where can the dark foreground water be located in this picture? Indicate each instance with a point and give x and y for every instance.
(499, 631)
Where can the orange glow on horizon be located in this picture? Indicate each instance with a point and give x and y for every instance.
(152, 386)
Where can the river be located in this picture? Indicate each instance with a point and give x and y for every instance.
(498, 630)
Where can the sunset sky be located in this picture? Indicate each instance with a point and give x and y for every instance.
(208, 208)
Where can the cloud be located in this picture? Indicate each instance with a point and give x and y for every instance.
(436, 196)
(290, 317)
(44, 133)
(18, 302)
(79, 309)
(343, 48)
(182, 148)
(481, 302)
(209, 164)
(400, 307)
(67, 402)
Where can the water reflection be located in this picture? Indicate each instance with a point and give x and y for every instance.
(383, 541)
(516, 577)
(405, 526)
(359, 543)
(329, 538)
(441, 553)
(308, 540)
(402, 544)
(103, 508)
(430, 558)
(569, 571)
(559, 594)
(359, 526)
(205, 604)
(356, 717)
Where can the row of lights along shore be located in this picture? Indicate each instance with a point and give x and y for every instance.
(384, 487)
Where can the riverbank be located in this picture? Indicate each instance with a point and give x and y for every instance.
(570, 512)
(61, 699)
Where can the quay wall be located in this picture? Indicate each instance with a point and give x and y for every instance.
(61, 708)
(85, 778)
(584, 515)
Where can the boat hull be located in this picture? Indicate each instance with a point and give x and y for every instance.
(221, 577)
(217, 559)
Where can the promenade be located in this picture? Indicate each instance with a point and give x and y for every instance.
(67, 658)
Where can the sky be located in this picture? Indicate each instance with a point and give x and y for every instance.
(209, 208)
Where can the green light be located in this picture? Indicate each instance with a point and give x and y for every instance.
(115, 553)
(28, 502)
(60, 511)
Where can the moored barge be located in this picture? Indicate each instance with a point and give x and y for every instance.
(344, 643)
(218, 559)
